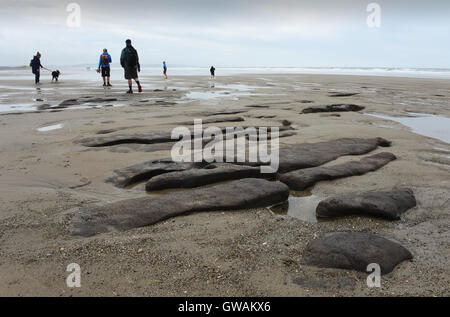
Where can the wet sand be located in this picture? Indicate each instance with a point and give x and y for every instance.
(44, 174)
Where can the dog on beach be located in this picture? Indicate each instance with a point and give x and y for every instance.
(55, 75)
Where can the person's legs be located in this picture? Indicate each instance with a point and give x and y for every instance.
(108, 75)
(132, 73)
(105, 73)
(37, 75)
(130, 86)
(138, 83)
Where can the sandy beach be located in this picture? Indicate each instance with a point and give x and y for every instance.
(46, 173)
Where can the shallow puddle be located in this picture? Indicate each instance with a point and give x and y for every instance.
(50, 127)
(433, 126)
(299, 205)
(203, 95)
(240, 87)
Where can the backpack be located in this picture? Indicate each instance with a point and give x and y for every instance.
(105, 59)
(132, 58)
(31, 63)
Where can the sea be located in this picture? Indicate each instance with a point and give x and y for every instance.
(87, 72)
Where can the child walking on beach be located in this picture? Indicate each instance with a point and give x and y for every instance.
(165, 70)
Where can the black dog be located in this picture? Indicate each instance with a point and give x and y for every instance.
(55, 75)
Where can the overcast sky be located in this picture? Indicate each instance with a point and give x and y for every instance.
(413, 33)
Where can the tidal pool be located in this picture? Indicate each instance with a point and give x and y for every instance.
(301, 206)
(432, 126)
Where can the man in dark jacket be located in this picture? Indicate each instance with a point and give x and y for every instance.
(36, 67)
(129, 60)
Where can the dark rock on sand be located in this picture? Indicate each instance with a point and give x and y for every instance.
(214, 120)
(333, 108)
(301, 179)
(305, 155)
(148, 138)
(156, 137)
(133, 213)
(223, 112)
(287, 134)
(258, 106)
(44, 106)
(265, 116)
(100, 100)
(69, 102)
(337, 115)
(343, 94)
(355, 251)
(148, 148)
(164, 103)
(385, 204)
(293, 157)
(107, 131)
(212, 173)
(141, 172)
(74, 102)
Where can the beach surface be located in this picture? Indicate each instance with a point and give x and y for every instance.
(46, 173)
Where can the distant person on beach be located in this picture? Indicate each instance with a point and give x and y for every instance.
(213, 72)
(129, 60)
(165, 69)
(36, 67)
(104, 66)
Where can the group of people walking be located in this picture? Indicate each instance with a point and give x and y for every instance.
(129, 60)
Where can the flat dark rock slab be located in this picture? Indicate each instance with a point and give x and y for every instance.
(265, 116)
(108, 131)
(74, 102)
(355, 251)
(293, 157)
(258, 106)
(305, 155)
(133, 213)
(302, 179)
(385, 204)
(69, 102)
(141, 172)
(45, 106)
(148, 148)
(215, 120)
(343, 94)
(225, 112)
(333, 108)
(152, 137)
(212, 173)
(147, 138)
